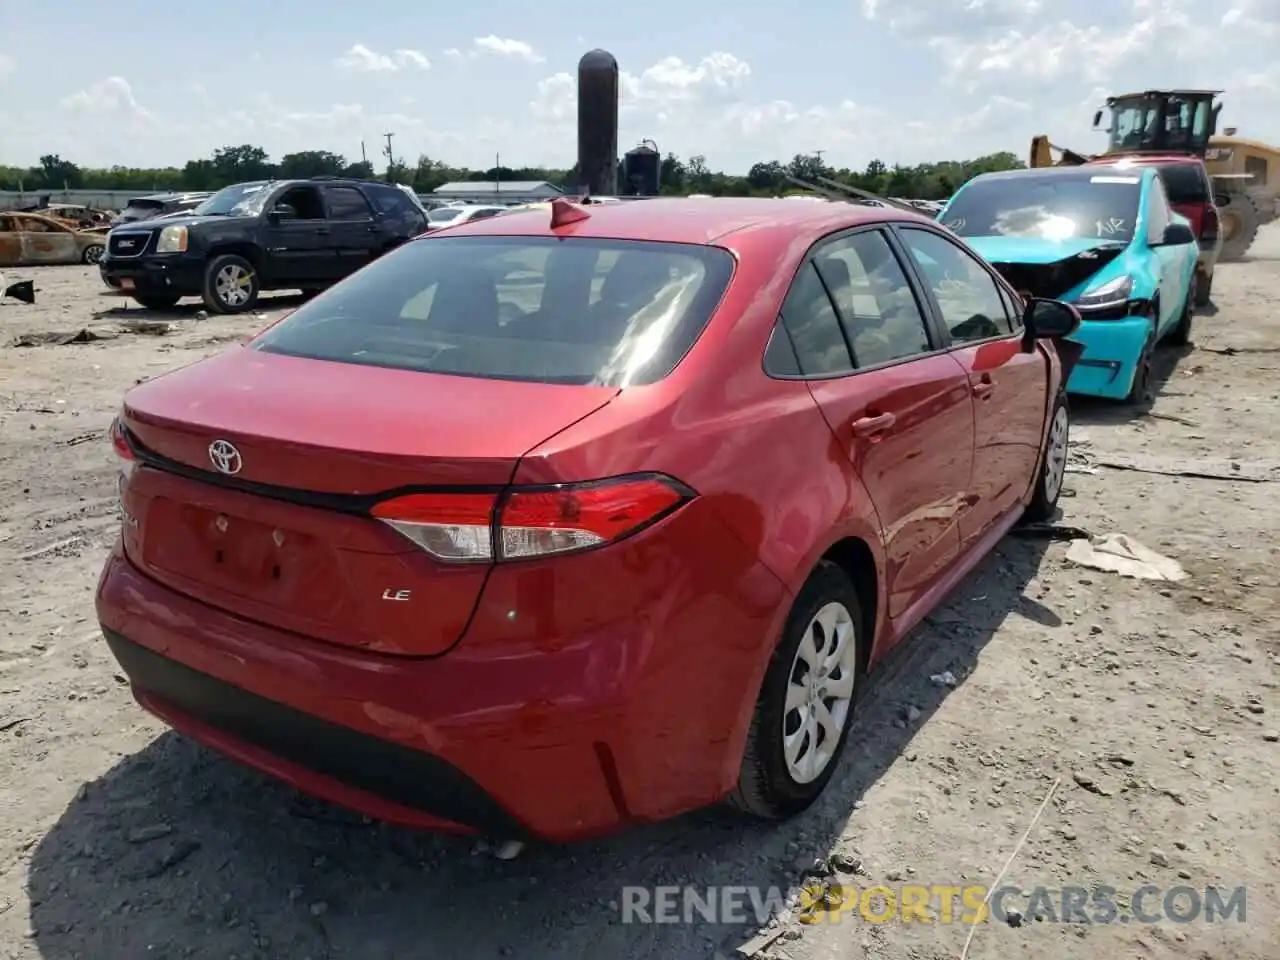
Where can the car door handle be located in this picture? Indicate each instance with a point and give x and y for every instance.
(323, 231)
(874, 426)
(984, 387)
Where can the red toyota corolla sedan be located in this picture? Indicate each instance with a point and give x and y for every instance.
(582, 517)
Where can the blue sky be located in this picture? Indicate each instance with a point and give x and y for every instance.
(902, 80)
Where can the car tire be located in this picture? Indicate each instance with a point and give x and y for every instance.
(156, 301)
(1051, 471)
(1180, 335)
(770, 785)
(1140, 389)
(92, 254)
(1204, 291)
(223, 277)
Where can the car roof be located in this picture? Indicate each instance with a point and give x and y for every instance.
(682, 220)
(1146, 159)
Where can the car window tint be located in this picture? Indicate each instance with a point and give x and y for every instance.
(967, 295)
(875, 300)
(347, 203)
(1013, 306)
(1184, 183)
(779, 355)
(517, 308)
(814, 327)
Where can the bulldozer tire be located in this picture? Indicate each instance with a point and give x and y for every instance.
(1245, 215)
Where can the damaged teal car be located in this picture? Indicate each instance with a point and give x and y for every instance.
(1102, 238)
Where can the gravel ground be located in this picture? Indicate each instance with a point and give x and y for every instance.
(1153, 707)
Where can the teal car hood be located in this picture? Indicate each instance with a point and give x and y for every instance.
(1056, 269)
(1034, 250)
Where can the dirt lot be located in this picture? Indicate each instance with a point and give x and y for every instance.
(1154, 703)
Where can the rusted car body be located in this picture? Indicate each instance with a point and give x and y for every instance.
(30, 239)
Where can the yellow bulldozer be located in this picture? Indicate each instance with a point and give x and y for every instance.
(1245, 173)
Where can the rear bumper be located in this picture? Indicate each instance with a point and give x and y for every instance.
(639, 719)
(1112, 349)
(158, 275)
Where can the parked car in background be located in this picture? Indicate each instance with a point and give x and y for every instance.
(1105, 240)
(1190, 193)
(263, 235)
(158, 204)
(431, 547)
(451, 216)
(30, 239)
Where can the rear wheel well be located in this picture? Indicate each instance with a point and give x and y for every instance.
(856, 561)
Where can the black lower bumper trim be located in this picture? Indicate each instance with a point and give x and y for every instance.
(409, 777)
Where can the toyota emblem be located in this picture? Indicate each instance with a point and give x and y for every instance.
(225, 457)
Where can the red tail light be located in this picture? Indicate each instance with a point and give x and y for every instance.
(120, 444)
(1210, 224)
(529, 522)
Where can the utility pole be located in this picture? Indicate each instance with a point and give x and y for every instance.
(364, 154)
(391, 158)
(497, 174)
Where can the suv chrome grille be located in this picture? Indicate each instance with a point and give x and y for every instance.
(127, 244)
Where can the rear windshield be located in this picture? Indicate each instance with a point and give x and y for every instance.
(444, 213)
(141, 209)
(1184, 183)
(576, 311)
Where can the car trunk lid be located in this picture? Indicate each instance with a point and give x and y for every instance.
(257, 473)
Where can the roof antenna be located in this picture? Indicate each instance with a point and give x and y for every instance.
(564, 213)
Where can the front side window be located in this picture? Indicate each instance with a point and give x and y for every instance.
(968, 296)
(575, 311)
(875, 301)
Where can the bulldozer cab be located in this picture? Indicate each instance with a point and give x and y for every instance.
(1161, 121)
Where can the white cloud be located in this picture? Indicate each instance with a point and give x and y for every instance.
(112, 95)
(977, 76)
(360, 59)
(8, 65)
(517, 49)
(1253, 16)
(667, 87)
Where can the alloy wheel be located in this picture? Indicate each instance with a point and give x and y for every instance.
(1055, 458)
(233, 285)
(819, 692)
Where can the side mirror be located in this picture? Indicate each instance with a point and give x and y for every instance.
(1049, 320)
(1097, 120)
(1176, 234)
(273, 218)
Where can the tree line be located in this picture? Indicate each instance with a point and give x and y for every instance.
(235, 164)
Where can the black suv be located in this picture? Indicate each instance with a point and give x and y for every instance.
(265, 235)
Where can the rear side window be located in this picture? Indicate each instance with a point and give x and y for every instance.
(575, 311)
(814, 327)
(1184, 183)
(347, 203)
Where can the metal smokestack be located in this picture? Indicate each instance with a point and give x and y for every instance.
(598, 123)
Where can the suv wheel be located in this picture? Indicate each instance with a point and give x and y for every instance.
(230, 284)
(806, 701)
